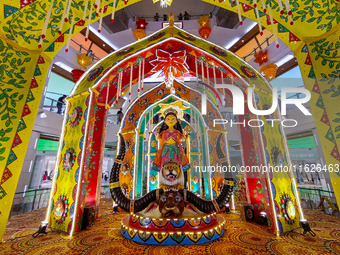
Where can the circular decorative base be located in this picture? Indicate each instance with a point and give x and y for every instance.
(195, 230)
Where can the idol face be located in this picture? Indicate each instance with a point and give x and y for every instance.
(170, 120)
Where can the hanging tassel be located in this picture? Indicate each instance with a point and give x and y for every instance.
(281, 7)
(101, 17)
(85, 10)
(273, 27)
(264, 7)
(143, 73)
(202, 70)
(239, 12)
(139, 75)
(289, 12)
(223, 90)
(258, 17)
(63, 18)
(88, 23)
(131, 70)
(96, 6)
(119, 85)
(69, 35)
(214, 70)
(107, 94)
(47, 19)
(150, 116)
(68, 11)
(113, 11)
(208, 78)
(196, 66)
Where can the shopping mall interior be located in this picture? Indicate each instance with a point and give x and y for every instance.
(89, 94)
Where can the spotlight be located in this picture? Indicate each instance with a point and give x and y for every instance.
(42, 229)
(306, 228)
(114, 207)
(227, 208)
(262, 219)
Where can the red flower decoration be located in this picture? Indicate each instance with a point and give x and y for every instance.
(174, 63)
(141, 23)
(261, 57)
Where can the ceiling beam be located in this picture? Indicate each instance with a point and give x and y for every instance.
(97, 41)
(62, 72)
(286, 67)
(245, 39)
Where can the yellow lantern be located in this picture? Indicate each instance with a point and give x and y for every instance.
(269, 71)
(139, 34)
(204, 21)
(84, 60)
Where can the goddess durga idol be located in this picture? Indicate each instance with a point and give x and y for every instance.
(169, 137)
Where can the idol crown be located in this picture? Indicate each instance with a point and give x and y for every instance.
(170, 110)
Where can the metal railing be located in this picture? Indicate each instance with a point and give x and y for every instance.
(318, 199)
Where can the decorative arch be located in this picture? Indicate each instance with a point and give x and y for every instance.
(262, 146)
(22, 85)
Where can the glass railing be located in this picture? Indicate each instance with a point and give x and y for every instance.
(318, 199)
(38, 198)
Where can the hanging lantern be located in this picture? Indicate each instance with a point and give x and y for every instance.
(205, 29)
(141, 23)
(84, 60)
(205, 32)
(77, 73)
(204, 21)
(139, 34)
(261, 57)
(269, 71)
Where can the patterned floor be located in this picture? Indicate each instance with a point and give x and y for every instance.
(104, 238)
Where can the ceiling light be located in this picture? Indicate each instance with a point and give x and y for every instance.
(103, 44)
(228, 46)
(242, 40)
(284, 60)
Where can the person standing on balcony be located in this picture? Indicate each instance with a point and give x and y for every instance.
(60, 103)
(120, 115)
